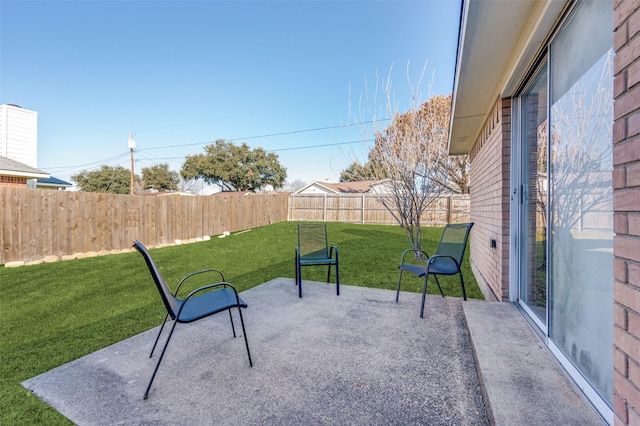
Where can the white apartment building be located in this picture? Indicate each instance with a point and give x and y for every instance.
(19, 134)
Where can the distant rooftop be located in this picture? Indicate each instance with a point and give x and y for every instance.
(53, 181)
(359, 187)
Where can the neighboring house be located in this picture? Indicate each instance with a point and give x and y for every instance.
(224, 193)
(166, 194)
(15, 174)
(49, 183)
(360, 187)
(19, 134)
(19, 142)
(547, 104)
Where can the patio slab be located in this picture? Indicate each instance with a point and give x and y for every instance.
(354, 359)
(358, 358)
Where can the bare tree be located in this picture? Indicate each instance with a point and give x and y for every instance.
(453, 169)
(404, 156)
(294, 185)
(191, 186)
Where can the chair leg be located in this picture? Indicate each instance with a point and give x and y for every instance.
(337, 278)
(424, 295)
(244, 333)
(232, 327)
(158, 336)
(464, 292)
(398, 290)
(438, 282)
(153, 376)
(298, 276)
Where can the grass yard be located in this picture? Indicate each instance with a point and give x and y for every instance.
(51, 314)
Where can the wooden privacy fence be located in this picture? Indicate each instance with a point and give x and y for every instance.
(365, 208)
(39, 223)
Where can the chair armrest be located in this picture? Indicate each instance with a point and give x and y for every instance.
(331, 250)
(185, 278)
(209, 287)
(404, 253)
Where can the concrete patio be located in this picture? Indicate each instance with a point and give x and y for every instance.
(354, 359)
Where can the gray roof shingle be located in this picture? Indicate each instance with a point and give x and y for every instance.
(7, 165)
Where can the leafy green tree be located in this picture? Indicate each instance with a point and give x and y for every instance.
(359, 172)
(160, 178)
(235, 168)
(115, 180)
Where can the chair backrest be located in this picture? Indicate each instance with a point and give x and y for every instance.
(169, 300)
(454, 240)
(312, 241)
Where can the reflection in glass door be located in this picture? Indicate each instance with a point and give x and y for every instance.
(565, 221)
(533, 280)
(581, 208)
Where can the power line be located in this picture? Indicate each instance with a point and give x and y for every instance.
(107, 160)
(119, 156)
(319, 146)
(268, 135)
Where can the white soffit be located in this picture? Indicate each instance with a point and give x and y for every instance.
(498, 40)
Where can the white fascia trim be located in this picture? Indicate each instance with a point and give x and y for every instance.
(541, 22)
(24, 174)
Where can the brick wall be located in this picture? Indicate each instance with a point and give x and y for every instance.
(13, 181)
(626, 204)
(490, 162)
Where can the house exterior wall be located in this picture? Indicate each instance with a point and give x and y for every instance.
(13, 182)
(19, 134)
(490, 177)
(626, 204)
(315, 190)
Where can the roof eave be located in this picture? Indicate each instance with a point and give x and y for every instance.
(27, 175)
(497, 42)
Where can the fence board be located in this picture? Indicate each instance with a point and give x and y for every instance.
(366, 208)
(38, 223)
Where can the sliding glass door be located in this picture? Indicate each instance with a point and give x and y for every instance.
(565, 226)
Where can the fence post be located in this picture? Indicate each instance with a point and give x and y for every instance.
(363, 207)
(324, 208)
(292, 202)
(450, 208)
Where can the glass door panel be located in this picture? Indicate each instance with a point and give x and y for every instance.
(581, 209)
(533, 244)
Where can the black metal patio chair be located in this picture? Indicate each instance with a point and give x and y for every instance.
(199, 303)
(313, 249)
(446, 261)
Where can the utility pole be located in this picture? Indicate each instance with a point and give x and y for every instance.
(132, 146)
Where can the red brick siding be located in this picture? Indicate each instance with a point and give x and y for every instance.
(490, 165)
(626, 204)
(13, 181)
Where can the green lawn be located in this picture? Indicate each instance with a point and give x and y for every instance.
(51, 314)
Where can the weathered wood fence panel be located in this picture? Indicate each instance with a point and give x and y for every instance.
(366, 208)
(39, 223)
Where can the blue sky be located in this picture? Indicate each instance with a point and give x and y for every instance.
(285, 76)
